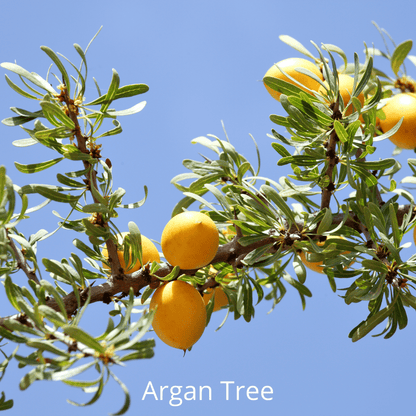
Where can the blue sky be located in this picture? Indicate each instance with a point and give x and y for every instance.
(204, 62)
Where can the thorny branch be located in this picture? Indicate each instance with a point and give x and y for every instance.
(21, 261)
(72, 112)
(331, 157)
(232, 253)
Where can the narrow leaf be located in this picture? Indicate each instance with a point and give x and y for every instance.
(37, 167)
(399, 55)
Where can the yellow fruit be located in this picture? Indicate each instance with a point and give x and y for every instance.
(414, 234)
(190, 240)
(180, 316)
(289, 66)
(345, 89)
(401, 105)
(220, 298)
(149, 254)
(316, 266)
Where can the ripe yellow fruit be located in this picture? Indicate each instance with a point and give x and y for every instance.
(316, 266)
(220, 298)
(190, 240)
(289, 65)
(149, 254)
(346, 84)
(180, 317)
(401, 105)
(414, 234)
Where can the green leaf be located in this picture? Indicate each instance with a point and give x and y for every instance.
(73, 153)
(399, 55)
(297, 285)
(84, 338)
(126, 393)
(138, 355)
(259, 289)
(32, 77)
(363, 82)
(341, 132)
(375, 265)
(200, 199)
(128, 112)
(202, 180)
(281, 86)
(44, 345)
(84, 248)
(281, 150)
(112, 132)
(50, 193)
(95, 229)
(55, 317)
(299, 160)
(72, 372)
(305, 106)
(24, 142)
(326, 221)
(56, 133)
(17, 121)
(183, 204)
(69, 182)
(280, 120)
(368, 325)
(37, 167)
(59, 64)
(50, 288)
(83, 384)
(5, 404)
(11, 292)
(4, 333)
(135, 242)
(136, 204)
(84, 61)
(256, 254)
(55, 115)
(375, 165)
(336, 49)
(250, 239)
(111, 93)
(369, 178)
(394, 224)
(19, 90)
(96, 207)
(220, 196)
(123, 92)
(295, 45)
(242, 170)
(273, 195)
(300, 269)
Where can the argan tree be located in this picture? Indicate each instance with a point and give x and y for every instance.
(353, 232)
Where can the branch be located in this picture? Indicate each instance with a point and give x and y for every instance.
(72, 112)
(232, 253)
(21, 261)
(332, 157)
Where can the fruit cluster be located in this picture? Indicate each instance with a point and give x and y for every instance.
(190, 241)
(309, 77)
(400, 105)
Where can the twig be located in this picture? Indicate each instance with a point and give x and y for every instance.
(21, 261)
(332, 158)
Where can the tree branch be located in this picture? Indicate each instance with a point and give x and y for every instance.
(332, 158)
(21, 261)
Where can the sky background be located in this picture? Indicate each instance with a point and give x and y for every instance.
(204, 62)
